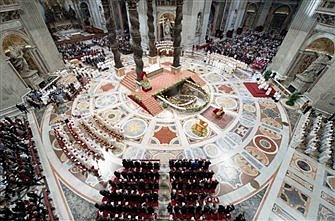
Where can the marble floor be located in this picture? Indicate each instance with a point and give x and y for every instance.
(250, 147)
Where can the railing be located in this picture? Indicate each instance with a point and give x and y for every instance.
(281, 87)
(166, 2)
(325, 18)
(9, 5)
(327, 5)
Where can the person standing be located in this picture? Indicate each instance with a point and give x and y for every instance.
(22, 108)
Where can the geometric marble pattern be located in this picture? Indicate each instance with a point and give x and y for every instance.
(325, 214)
(295, 198)
(165, 135)
(240, 150)
(299, 180)
(282, 213)
(304, 165)
(330, 181)
(330, 199)
(251, 206)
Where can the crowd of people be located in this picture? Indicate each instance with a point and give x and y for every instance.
(317, 139)
(123, 41)
(192, 184)
(74, 50)
(56, 93)
(266, 87)
(24, 193)
(133, 193)
(94, 59)
(249, 47)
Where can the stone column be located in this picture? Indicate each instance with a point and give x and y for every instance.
(120, 14)
(177, 37)
(151, 34)
(136, 37)
(110, 25)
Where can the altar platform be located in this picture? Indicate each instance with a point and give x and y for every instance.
(159, 82)
(253, 89)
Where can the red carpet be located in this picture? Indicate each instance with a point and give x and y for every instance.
(253, 89)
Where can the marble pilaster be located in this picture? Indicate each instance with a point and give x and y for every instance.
(219, 10)
(12, 86)
(38, 32)
(205, 19)
(96, 13)
(236, 12)
(264, 12)
(297, 34)
(322, 93)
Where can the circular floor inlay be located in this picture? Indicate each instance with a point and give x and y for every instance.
(212, 150)
(188, 129)
(285, 124)
(304, 165)
(105, 100)
(226, 102)
(213, 77)
(134, 128)
(225, 144)
(265, 144)
(254, 184)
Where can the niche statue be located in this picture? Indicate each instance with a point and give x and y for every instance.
(316, 67)
(16, 58)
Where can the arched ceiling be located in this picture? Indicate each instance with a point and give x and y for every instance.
(283, 10)
(11, 40)
(322, 45)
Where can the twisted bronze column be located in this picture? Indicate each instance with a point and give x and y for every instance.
(136, 36)
(177, 34)
(110, 25)
(151, 34)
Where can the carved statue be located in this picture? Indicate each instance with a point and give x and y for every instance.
(167, 29)
(16, 57)
(72, 13)
(315, 68)
(198, 27)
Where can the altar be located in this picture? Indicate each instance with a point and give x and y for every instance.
(153, 70)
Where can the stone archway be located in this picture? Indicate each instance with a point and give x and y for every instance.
(85, 13)
(280, 18)
(165, 26)
(311, 63)
(250, 16)
(22, 57)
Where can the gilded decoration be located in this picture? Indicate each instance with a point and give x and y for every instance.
(9, 15)
(322, 45)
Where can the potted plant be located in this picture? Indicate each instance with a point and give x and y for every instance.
(145, 83)
(292, 99)
(267, 74)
